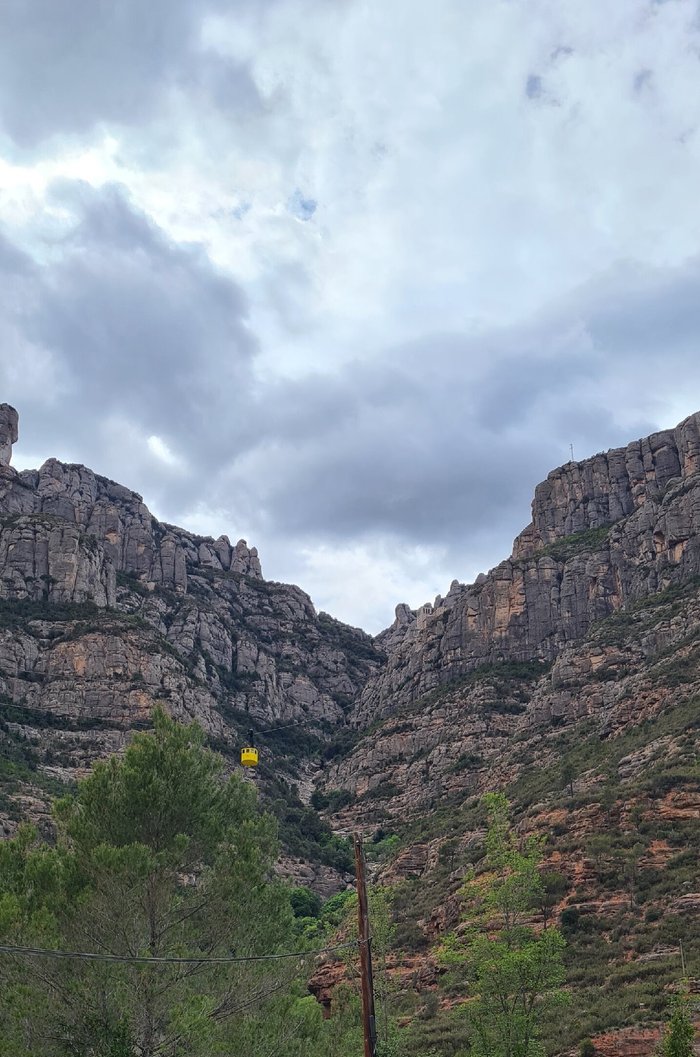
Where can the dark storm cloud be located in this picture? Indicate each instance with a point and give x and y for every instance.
(427, 446)
(66, 65)
(130, 313)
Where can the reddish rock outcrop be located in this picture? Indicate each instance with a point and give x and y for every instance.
(628, 1042)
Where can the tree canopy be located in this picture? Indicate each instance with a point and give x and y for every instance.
(157, 855)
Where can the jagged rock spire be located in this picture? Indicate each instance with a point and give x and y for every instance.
(9, 421)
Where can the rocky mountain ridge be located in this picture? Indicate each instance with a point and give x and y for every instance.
(605, 533)
(569, 678)
(105, 611)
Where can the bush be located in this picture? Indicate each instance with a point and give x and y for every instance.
(305, 903)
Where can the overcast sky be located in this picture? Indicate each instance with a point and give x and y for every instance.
(347, 277)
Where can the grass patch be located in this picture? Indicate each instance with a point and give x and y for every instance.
(562, 550)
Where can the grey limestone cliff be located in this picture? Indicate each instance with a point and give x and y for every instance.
(605, 532)
(9, 420)
(106, 611)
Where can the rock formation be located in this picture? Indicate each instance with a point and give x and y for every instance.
(582, 647)
(118, 519)
(568, 677)
(9, 435)
(105, 611)
(605, 533)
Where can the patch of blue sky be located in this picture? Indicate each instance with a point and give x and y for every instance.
(300, 207)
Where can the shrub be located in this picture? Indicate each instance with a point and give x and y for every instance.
(305, 903)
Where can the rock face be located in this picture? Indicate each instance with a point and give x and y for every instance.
(9, 435)
(484, 731)
(105, 611)
(597, 624)
(569, 678)
(583, 646)
(605, 533)
(132, 539)
(46, 558)
(610, 486)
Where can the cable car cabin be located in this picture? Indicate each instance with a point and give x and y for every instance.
(249, 756)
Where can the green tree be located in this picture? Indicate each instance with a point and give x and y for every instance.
(448, 853)
(305, 903)
(157, 855)
(516, 972)
(679, 1035)
(567, 775)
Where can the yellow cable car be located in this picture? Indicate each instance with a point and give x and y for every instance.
(249, 756)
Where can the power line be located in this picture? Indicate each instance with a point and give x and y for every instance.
(167, 960)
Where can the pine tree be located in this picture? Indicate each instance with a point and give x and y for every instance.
(157, 855)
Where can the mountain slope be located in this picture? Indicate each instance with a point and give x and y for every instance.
(105, 611)
(605, 533)
(569, 677)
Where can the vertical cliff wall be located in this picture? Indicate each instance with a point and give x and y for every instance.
(604, 533)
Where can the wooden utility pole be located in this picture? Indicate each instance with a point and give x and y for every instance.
(369, 1026)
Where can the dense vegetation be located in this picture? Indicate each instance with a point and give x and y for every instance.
(614, 875)
(156, 856)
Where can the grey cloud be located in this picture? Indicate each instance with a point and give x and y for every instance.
(404, 451)
(66, 65)
(13, 263)
(439, 440)
(136, 326)
(640, 313)
(445, 439)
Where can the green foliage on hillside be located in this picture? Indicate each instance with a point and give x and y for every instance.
(156, 855)
(562, 550)
(19, 763)
(621, 918)
(679, 1034)
(354, 643)
(17, 613)
(515, 973)
(302, 830)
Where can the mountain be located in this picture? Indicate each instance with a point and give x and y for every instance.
(568, 677)
(599, 586)
(105, 611)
